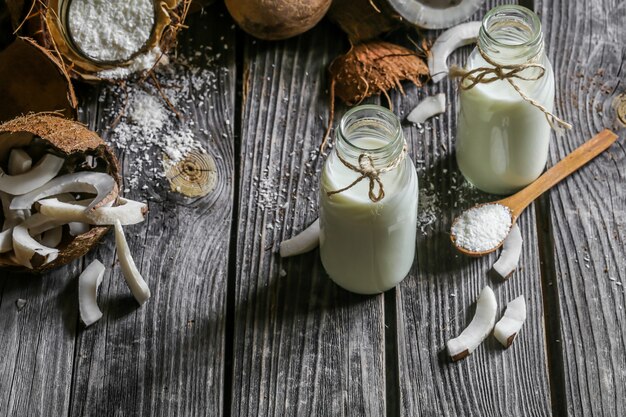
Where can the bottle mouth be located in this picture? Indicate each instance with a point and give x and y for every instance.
(370, 129)
(512, 32)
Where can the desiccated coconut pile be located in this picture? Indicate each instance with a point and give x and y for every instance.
(149, 130)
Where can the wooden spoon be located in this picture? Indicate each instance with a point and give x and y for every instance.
(519, 201)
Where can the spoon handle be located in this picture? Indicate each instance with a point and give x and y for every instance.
(579, 157)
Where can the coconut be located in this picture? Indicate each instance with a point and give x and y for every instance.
(277, 19)
(373, 68)
(47, 23)
(47, 133)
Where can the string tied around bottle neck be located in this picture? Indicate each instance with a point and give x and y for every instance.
(487, 75)
(368, 170)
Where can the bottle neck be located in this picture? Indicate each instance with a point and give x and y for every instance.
(371, 130)
(511, 35)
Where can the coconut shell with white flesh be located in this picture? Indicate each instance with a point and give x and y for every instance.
(51, 32)
(40, 134)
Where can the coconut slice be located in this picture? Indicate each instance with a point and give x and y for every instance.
(28, 251)
(52, 238)
(434, 14)
(19, 162)
(478, 329)
(511, 251)
(134, 280)
(448, 41)
(305, 241)
(78, 228)
(510, 324)
(11, 217)
(128, 212)
(79, 182)
(88, 283)
(427, 108)
(46, 169)
(6, 240)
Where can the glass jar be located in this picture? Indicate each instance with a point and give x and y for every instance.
(367, 233)
(502, 139)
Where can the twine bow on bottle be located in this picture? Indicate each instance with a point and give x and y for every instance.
(486, 75)
(368, 170)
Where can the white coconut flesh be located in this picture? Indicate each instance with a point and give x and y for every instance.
(435, 14)
(304, 242)
(427, 108)
(101, 184)
(46, 169)
(446, 43)
(28, 251)
(511, 323)
(88, 283)
(134, 280)
(110, 30)
(78, 228)
(511, 251)
(52, 238)
(127, 212)
(6, 240)
(19, 162)
(478, 329)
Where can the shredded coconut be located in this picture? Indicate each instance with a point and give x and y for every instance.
(482, 228)
(110, 30)
(141, 62)
(148, 131)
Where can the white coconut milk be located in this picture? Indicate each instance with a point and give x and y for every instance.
(368, 247)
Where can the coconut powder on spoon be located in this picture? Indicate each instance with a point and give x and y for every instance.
(482, 228)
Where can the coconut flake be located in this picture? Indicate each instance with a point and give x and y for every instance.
(46, 169)
(304, 242)
(6, 240)
(427, 108)
(127, 212)
(88, 283)
(52, 238)
(448, 41)
(79, 182)
(511, 250)
(78, 228)
(510, 324)
(27, 250)
(19, 162)
(478, 329)
(482, 228)
(134, 280)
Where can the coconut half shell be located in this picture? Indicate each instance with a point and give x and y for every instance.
(66, 138)
(43, 24)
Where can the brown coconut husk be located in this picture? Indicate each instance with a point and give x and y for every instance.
(33, 80)
(372, 68)
(43, 24)
(64, 137)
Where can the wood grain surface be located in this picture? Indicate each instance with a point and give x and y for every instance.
(437, 300)
(586, 214)
(302, 346)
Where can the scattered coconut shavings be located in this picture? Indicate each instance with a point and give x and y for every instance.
(482, 228)
(142, 62)
(154, 131)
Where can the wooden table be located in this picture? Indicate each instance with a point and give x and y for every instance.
(233, 329)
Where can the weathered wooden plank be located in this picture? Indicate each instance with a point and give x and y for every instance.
(166, 358)
(37, 342)
(302, 346)
(436, 301)
(586, 266)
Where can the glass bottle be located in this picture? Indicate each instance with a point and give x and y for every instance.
(367, 246)
(502, 139)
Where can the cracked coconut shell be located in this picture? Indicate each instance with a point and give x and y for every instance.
(42, 23)
(73, 141)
